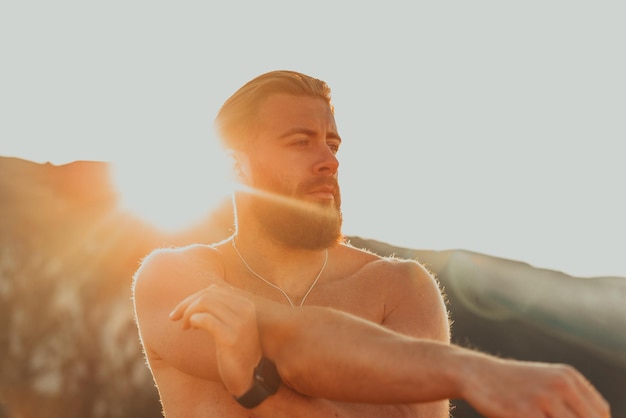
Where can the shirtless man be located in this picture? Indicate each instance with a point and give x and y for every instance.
(351, 334)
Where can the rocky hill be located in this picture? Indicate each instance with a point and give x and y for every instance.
(69, 347)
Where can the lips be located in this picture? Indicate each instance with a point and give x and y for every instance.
(324, 193)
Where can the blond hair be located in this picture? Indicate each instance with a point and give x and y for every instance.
(236, 119)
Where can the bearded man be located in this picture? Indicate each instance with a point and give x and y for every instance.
(284, 318)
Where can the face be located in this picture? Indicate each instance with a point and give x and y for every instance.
(291, 166)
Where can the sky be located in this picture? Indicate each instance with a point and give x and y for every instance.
(494, 127)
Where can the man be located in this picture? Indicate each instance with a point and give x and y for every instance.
(285, 319)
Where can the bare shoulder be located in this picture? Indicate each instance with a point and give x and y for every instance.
(168, 275)
(181, 256)
(394, 271)
(165, 263)
(414, 302)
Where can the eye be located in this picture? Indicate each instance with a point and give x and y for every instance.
(334, 147)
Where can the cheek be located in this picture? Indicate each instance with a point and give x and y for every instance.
(265, 177)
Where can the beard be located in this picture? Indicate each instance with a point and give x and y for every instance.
(294, 221)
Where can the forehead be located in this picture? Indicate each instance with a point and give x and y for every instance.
(281, 112)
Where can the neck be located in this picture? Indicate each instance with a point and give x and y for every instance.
(292, 269)
(280, 289)
(294, 226)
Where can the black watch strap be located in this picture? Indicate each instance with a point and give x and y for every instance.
(266, 381)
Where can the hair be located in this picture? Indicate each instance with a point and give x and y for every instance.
(236, 119)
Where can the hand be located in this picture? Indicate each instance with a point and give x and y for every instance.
(230, 318)
(525, 389)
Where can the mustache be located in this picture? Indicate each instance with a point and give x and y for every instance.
(318, 183)
(298, 197)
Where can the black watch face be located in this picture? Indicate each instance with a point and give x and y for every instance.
(266, 383)
(267, 374)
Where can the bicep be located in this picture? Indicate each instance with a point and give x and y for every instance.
(158, 287)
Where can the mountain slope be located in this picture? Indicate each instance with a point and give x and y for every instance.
(69, 346)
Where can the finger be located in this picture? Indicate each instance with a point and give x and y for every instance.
(183, 305)
(577, 394)
(177, 313)
(219, 330)
(200, 305)
(224, 333)
(233, 311)
(179, 310)
(206, 322)
(588, 402)
(561, 410)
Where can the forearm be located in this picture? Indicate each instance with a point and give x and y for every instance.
(325, 353)
(289, 403)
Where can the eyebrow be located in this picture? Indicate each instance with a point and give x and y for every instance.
(308, 132)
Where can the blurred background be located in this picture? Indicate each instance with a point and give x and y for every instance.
(488, 126)
(69, 345)
(481, 139)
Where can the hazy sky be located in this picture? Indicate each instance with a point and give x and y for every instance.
(496, 127)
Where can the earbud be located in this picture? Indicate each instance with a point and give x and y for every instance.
(239, 167)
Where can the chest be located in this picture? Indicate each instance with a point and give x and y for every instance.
(357, 295)
(354, 291)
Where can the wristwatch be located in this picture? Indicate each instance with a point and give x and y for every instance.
(266, 382)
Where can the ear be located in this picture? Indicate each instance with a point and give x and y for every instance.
(241, 166)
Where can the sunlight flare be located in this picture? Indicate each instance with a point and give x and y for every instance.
(171, 194)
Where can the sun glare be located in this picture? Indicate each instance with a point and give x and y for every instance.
(170, 195)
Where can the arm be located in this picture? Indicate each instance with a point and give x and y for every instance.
(165, 278)
(408, 370)
(413, 306)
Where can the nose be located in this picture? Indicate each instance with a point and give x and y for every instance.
(327, 162)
